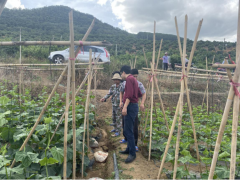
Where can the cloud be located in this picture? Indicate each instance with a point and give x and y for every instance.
(101, 9)
(14, 4)
(220, 16)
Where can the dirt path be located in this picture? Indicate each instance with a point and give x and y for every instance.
(139, 168)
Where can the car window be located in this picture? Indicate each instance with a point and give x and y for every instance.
(99, 50)
(87, 48)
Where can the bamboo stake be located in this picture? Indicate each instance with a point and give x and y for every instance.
(86, 109)
(41, 114)
(169, 140)
(227, 108)
(73, 92)
(207, 82)
(234, 136)
(64, 43)
(181, 100)
(71, 51)
(151, 112)
(89, 82)
(20, 75)
(204, 75)
(229, 66)
(159, 52)
(161, 102)
(207, 85)
(145, 57)
(64, 64)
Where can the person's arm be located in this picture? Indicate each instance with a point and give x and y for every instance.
(121, 102)
(124, 111)
(144, 96)
(110, 93)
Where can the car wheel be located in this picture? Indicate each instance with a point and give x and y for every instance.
(58, 59)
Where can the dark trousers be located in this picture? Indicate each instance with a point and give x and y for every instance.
(132, 112)
(165, 66)
(135, 129)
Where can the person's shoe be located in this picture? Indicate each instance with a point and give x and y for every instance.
(113, 130)
(124, 152)
(116, 134)
(130, 159)
(123, 141)
(136, 148)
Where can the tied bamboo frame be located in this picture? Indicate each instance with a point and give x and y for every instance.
(178, 104)
(231, 95)
(54, 89)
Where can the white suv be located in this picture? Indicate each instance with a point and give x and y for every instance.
(59, 57)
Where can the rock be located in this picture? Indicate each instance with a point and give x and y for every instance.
(100, 156)
(93, 143)
(97, 149)
(105, 148)
(95, 178)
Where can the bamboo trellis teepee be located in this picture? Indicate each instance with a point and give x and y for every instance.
(179, 109)
(70, 81)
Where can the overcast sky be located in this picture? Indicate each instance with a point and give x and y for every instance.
(219, 16)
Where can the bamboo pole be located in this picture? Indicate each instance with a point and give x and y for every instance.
(207, 84)
(159, 52)
(89, 82)
(203, 70)
(71, 51)
(175, 72)
(229, 66)
(194, 46)
(145, 57)
(181, 100)
(8, 65)
(227, 108)
(64, 43)
(151, 112)
(169, 140)
(41, 114)
(71, 55)
(161, 102)
(20, 75)
(86, 109)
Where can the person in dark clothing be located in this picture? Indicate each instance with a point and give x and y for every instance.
(134, 72)
(129, 111)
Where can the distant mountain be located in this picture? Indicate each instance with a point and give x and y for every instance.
(52, 22)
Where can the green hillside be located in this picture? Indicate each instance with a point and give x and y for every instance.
(51, 22)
